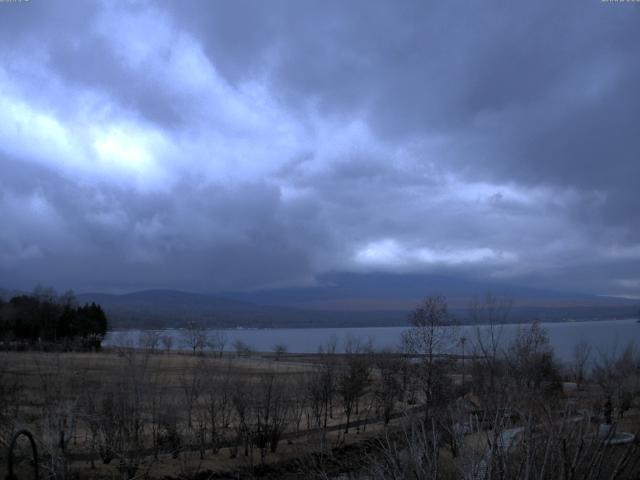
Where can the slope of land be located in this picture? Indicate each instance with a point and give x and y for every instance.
(341, 300)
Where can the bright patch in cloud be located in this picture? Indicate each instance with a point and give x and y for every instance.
(28, 132)
(391, 253)
(130, 151)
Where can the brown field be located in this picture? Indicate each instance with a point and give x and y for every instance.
(58, 384)
(119, 411)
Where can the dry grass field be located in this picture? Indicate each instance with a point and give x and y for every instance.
(127, 413)
(53, 392)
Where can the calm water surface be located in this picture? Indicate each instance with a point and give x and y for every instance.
(605, 335)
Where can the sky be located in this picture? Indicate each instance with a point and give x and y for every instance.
(217, 145)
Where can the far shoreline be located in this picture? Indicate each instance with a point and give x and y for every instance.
(315, 327)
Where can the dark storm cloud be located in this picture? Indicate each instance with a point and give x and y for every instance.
(205, 145)
(119, 238)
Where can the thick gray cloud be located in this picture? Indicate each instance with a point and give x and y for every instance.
(216, 145)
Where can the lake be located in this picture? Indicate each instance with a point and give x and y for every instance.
(602, 335)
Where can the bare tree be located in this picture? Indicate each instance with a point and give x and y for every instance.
(268, 415)
(298, 401)
(242, 348)
(327, 377)
(279, 350)
(530, 357)
(167, 342)
(530, 384)
(195, 337)
(121, 413)
(579, 362)
(432, 334)
(157, 403)
(60, 411)
(191, 385)
(217, 341)
(489, 315)
(316, 394)
(353, 380)
(463, 342)
(616, 373)
(240, 398)
(11, 387)
(217, 396)
(388, 387)
(149, 340)
(411, 453)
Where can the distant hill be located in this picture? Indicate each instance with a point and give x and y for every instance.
(347, 300)
(384, 291)
(171, 308)
(344, 299)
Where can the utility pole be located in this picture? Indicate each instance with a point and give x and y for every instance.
(463, 340)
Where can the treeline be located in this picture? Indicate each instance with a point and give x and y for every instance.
(49, 321)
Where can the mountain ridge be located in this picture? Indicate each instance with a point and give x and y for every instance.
(343, 299)
(351, 300)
